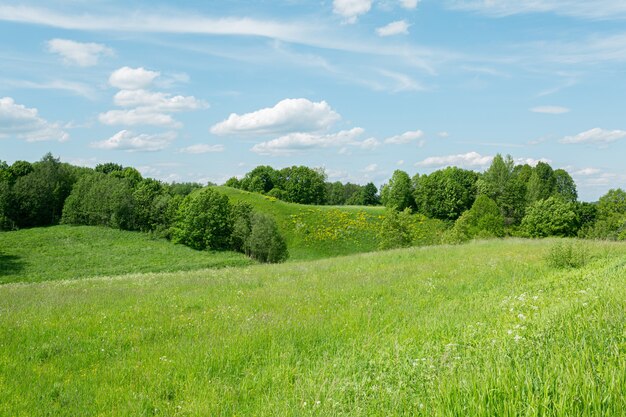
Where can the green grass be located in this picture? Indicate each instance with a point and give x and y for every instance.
(69, 252)
(316, 232)
(483, 329)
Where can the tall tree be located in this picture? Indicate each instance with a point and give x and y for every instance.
(565, 187)
(398, 192)
(445, 194)
(542, 183)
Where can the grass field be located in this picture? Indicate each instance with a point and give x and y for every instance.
(316, 232)
(69, 252)
(484, 329)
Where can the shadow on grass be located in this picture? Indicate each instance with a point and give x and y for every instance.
(10, 264)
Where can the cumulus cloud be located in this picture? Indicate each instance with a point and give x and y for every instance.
(596, 135)
(531, 161)
(351, 9)
(287, 116)
(467, 160)
(144, 107)
(157, 101)
(301, 141)
(17, 120)
(202, 148)
(139, 116)
(550, 110)
(127, 78)
(126, 140)
(400, 27)
(409, 4)
(78, 53)
(404, 138)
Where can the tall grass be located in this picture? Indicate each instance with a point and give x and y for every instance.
(484, 329)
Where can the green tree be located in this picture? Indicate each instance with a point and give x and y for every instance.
(541, 184)
(38, 196)
(204, 220)
(108, 168)
(397, 194)
(335, 193)
(445, 194)
(233, 182)
(260, 180)
(613, 202)
(483, 220)
(303, 185)
(265, 242)
(565, 187)
(101, 200)
(505, 186)
(242, 225)
(369, 195)
(551, 217)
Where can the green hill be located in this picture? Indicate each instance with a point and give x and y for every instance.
(484, 329)
(69, 252)
(314, 232)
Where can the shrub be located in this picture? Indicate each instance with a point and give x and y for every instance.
(265, 242)
(204, 220)
(567, 255)
(483, 220)
(403, 229)
(242, 225)
(550, 217)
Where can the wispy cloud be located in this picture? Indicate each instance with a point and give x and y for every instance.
(550, 110)
(597, 9)
(78, 53)
(596, 136)
(202, 148)
(400, 27)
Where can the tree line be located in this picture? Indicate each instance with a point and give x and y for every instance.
(506, 199)
(49, 192)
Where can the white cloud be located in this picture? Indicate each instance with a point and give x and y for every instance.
(467, 160)
(367, 144)
(288, 116)
(300, 141)
(400, 162)
(17, 120)
(81, 54)
(351, 9)
(202, 148)
(550, 110)
(400, 27)
(404, 138)
(531, 161)
(370, 168)
(139, 116)
(143, 107)
(128, 141)
(127, 78)
(157, 101)
(409, 4)
(586, 172)
(598, 9)
(596, 135)
(443, 135)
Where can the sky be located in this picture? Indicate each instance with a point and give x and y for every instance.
(206, 90)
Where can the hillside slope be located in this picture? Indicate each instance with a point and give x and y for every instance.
(482, 329)
(69, 252)
(314, 232)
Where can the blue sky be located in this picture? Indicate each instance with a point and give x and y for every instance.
(207, 90)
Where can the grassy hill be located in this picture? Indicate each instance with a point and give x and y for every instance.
(483, 329)
(69, 252)
(314, 232)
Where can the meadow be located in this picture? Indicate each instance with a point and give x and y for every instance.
(72, 252)
(483, 329)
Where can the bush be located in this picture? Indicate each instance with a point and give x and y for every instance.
(403, 229)
(242, 225)
(265, 242)
(483, 220)
(550, 217)
(567, 255)
(204, 221)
